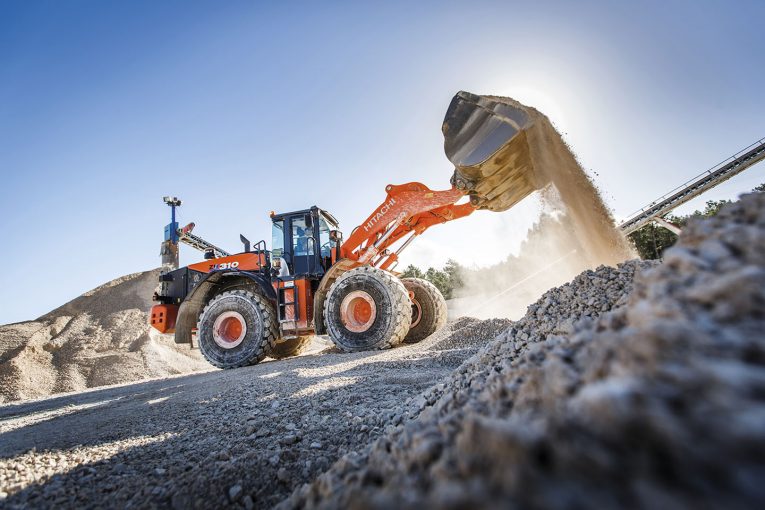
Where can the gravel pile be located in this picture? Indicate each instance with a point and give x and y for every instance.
(659, 403)
(560, 311)
(97, 339)
(467, 332)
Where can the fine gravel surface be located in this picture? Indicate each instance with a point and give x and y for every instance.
(657, 404)
(247, 437)
(244, 437)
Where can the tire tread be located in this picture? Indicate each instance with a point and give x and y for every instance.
(400, 307)
(270, 327)
(439, 310)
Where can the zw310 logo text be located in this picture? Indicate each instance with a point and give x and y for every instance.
(224, 265)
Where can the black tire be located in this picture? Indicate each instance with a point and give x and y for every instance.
(258, 329)
(428, 309)
(385, 327)
(291, 347)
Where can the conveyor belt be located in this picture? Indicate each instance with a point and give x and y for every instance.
(200, 244)
(734, 165)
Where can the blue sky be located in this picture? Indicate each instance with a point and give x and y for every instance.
(240, 108)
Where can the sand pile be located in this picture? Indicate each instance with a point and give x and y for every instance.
(100, 338)
(657, 404)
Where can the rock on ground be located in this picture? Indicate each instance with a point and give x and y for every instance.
(657, 404)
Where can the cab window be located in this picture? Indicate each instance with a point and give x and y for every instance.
(301, 244)
(324, 241)
(277, 239)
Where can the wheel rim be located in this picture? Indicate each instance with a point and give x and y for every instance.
(358, 311)
(416, 313)
(229, 329)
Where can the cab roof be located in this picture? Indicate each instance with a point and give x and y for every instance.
(327, 215)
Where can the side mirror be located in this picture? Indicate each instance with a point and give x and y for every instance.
(335, 235)
(209, 254)
(246, 243)
(309, 220)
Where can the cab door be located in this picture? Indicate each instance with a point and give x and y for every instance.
(304, 245)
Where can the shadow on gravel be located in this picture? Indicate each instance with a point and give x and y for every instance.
(15, 409)
(201, 434)
(58, 422)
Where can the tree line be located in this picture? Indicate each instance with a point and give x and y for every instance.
(446, 280)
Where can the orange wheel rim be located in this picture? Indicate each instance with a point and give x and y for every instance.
(416, 313)
(229, 329)
(358, 311)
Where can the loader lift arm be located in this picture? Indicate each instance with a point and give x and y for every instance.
(407, 208)
(487, 140)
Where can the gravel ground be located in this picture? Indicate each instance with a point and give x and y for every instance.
(254, 436)
(657, 404)
(246, 437)
(243, 437)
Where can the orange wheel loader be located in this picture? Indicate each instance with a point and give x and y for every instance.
(261, 302)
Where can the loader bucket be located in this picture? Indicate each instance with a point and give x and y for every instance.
(486, 138)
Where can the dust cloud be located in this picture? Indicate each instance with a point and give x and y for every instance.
(575, 232)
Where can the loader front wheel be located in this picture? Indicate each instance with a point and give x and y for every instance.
(366, 309)
(291, 347)
(428, 309)
(237, 328)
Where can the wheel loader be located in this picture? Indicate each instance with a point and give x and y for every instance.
(238, 309)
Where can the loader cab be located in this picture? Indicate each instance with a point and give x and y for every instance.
(307, 241)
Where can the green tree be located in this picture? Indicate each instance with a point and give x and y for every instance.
(651, 241)
(445, 280)
(412, 271)
(712, 208)
(440, 280)
(454, 271)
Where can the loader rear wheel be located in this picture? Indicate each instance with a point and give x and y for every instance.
(367, 308)
(428, 309)
(291, 347)
(237, 328)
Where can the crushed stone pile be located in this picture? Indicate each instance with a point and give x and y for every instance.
(467, 332)
(560, 311)
(656, 404)
(99, 338)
